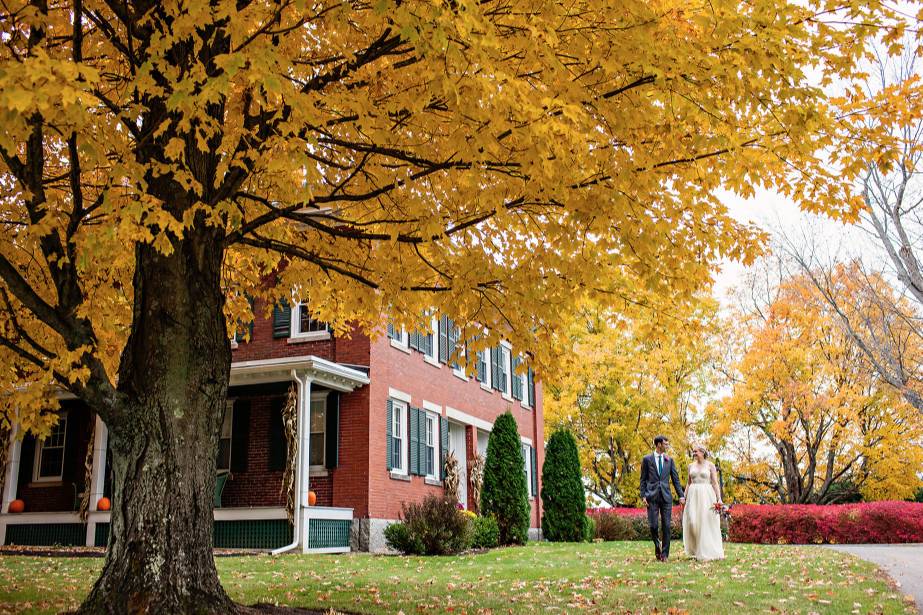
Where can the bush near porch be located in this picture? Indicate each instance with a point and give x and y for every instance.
(871, 522)
(545, 577)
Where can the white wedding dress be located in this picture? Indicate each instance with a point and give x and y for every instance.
(701, 524)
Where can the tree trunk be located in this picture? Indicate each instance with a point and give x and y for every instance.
(174, 375)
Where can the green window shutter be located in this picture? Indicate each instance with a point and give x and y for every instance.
(332, 431)
(389, 421)
(391, 333)
(443, 444)
(517, 380)
(534, 472)
(240, 435)
(482, 366)
(428, 344)
(495, 368)
(414, 440)
(530, 376)
(278, 447)
(281, 320)
(413, 340)
(26, 461)
(71, 462)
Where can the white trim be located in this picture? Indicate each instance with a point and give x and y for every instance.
(329, 513)
(431, 361)
(250, 514)
(526, 440)
(10, 485)
(98, 474)
(460, 373)
(466, 419)
(40, 447)
(327, 373)
(296, 337)
(428, 405)
(314, 470)
(402, 407)
(399, 395)
(40, 517)
(506, 358)
(434, 416)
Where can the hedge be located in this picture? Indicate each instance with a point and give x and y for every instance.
(871, 522)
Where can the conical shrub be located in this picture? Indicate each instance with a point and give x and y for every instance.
(504, 493)
(563, 498)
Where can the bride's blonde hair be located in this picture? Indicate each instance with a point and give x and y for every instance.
(701, 448)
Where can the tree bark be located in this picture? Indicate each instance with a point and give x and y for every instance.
(174, 375)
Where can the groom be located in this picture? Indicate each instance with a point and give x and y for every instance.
(657, 470)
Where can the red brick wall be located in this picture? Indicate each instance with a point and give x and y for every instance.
(351, 478)
(410, 374)
(258, 486)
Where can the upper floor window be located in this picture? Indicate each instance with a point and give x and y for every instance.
(49, 458)
(303, 325)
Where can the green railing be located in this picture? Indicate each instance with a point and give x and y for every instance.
(47, 534)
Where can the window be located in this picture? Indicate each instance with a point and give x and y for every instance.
(224, 443)
(305, 326)
(318, 429)
(482, 373)
(503, 367)
(429, 445)
(398, 337)
(49, 459)
(398, 438)
(527, 457)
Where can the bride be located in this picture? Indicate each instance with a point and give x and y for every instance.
(701, 524)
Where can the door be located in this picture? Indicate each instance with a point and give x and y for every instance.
(457, 446)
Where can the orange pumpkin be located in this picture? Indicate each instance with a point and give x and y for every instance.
(17, 506)
(312, 498)
(103, 504)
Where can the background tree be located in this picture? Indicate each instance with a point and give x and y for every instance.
(504, 495)
(809, 420)
(162, 161)
(563, 499)
(628, 376)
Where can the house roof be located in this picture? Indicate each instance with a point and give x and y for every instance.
(336, 376)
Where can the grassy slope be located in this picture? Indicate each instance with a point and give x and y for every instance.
(561, 578)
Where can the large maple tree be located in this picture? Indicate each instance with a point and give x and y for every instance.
(161, 160)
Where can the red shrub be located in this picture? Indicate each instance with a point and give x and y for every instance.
(872, 522)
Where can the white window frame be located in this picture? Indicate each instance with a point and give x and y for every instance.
(430, 418)
(40, 447)
(433, 357)
(322, 397)
(487, 368)
(228, 422)
(399, 412)
(295, 333)
(525, 402)
(506, 356)
(403, 344)
(527, 457)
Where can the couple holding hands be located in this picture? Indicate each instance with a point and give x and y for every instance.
(701, 522)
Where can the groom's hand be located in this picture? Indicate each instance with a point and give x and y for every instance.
(682, 501)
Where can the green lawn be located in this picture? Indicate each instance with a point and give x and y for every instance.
(549, 578)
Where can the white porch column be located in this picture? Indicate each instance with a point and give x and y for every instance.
(97, 477)
(10, 484)
(304, 460)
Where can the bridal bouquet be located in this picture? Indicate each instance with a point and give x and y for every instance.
(722, 510)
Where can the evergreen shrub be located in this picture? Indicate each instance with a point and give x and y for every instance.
(504, 494)
(564, 516)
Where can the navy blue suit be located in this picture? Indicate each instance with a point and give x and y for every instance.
(655, 488)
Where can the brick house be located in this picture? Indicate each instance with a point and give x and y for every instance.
(383, 415)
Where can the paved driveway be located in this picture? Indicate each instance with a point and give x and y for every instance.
(903, 563)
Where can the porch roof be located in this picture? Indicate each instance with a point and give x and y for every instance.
(323, 372)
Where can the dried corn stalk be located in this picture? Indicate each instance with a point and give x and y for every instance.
(87, 477)
(5, 432)
(477, 481)
(290, 429)
(452, 477)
